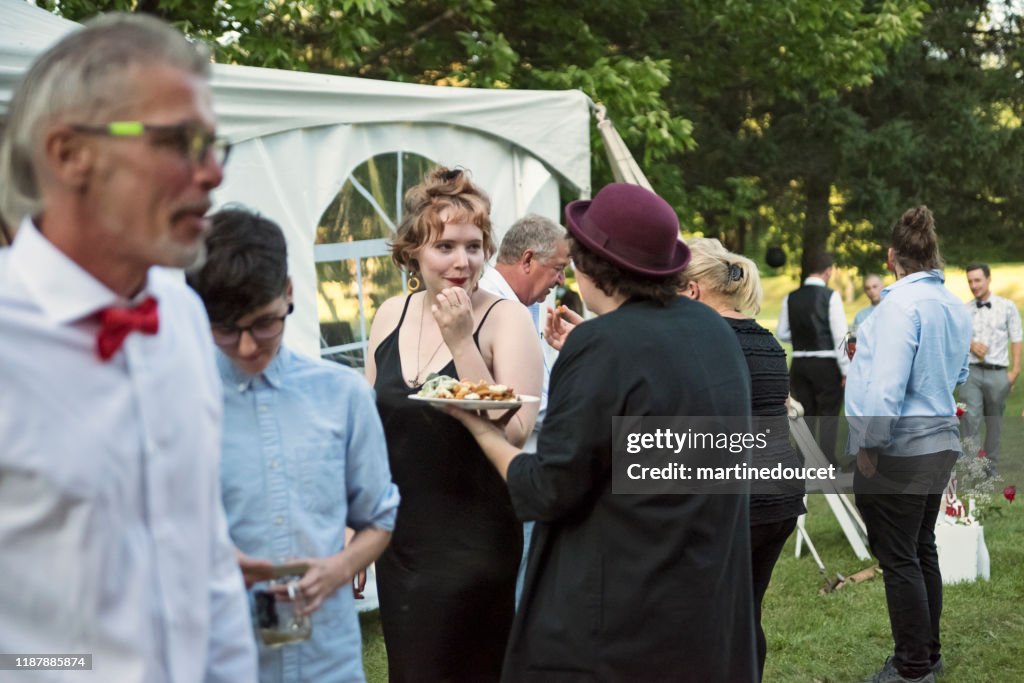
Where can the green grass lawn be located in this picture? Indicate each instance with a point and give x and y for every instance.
(375, 659)
(842, 636)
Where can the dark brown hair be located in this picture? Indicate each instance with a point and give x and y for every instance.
(442, 189)
(818, 262)
(246, 265)
(983, 267)
(612, 280)
(914, 241)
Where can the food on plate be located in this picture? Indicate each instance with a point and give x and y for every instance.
(443, 386)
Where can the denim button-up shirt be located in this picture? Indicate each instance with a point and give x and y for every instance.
(911, 354)
(304, 457)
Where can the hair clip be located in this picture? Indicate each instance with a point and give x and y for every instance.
(449, 176)
(735, 272)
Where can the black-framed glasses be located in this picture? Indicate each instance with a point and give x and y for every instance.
(191, 140)
(265, 329)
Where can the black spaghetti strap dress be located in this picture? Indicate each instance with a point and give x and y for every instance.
(447, 580)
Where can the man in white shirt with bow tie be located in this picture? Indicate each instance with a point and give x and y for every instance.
(114, 540)
(995, 363)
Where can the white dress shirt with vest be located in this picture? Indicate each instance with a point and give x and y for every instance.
(820, 333)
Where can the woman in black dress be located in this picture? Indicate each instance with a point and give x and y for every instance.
(730, 284)
(638, 587)
(447, 580)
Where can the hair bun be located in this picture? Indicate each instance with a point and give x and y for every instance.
(443, 181)
(914, 240)
(919, 219)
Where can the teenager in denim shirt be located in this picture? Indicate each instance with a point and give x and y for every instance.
(304, 453)
(911, 354)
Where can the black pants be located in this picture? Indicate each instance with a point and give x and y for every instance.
(766, 542)
(901, 533)
(818, 384)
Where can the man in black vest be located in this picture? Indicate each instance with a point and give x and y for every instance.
(812, 318)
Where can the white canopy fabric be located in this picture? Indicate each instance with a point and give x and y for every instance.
(25, 31)
(298, 136)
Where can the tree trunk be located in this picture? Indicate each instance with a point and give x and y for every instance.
(817, 226)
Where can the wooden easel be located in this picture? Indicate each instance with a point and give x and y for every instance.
(842, 507)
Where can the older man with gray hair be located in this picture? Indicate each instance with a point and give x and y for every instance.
(115, 545)
(531, 261)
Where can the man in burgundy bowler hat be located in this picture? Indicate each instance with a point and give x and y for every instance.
(114, 540)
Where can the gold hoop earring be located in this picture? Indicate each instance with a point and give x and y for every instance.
(413, 282)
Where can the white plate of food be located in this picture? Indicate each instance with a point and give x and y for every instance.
(477, 404)
(441, 390)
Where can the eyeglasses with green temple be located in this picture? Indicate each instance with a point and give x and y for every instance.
(191, 140)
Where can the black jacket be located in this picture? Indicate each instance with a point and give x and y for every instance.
(633, 587)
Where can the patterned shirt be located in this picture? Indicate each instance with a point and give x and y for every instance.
(997, 326)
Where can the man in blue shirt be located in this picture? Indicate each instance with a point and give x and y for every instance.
(873, 289)
(911, 354)
(304, 453)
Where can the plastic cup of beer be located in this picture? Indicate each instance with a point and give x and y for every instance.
(278, 615)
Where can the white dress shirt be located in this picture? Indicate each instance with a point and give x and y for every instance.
(836, 323)
(113, 538)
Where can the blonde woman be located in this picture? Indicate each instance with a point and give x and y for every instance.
(447, 581)
(730, 284)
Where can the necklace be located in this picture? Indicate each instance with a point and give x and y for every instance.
(415, 381)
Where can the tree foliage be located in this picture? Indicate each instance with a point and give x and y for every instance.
(808, 123)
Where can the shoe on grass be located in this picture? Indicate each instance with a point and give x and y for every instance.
(889, 674)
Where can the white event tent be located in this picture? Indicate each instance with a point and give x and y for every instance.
(298, 137)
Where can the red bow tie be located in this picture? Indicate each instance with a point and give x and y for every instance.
(118, 323)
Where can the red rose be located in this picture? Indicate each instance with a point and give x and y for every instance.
(1009, 493)
(982, 453)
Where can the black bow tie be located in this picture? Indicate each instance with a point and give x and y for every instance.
(984, 304)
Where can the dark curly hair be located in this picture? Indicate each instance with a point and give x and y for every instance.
(612, 280)
(442, 189)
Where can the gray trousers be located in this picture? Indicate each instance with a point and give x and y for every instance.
(985, 396)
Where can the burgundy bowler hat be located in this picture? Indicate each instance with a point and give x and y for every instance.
(630, 226)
